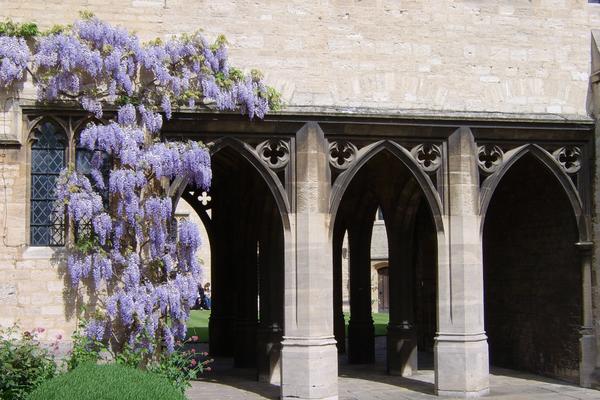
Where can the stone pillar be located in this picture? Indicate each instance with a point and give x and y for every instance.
(361, 332)
(402, 354)
(594, 109)
(309, 354)
(221, 322)
(270, 328)
(339, 325)
(461, 349)
(587, 341)
(246, 274)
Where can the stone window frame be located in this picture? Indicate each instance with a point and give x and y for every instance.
(71, 126)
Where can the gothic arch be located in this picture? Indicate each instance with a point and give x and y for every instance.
(34, 124)
(270, 178)
(367, 153)
(548, 161)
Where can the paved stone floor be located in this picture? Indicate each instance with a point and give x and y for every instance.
(371, 383)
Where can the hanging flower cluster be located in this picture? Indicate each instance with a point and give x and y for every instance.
(136, 258)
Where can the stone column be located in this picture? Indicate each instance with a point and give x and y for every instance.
(339, 325)
(246, 274)
(461, 349)
(221, 322)
(594, 108)
(402, 354)
(270, 328)
(309, 354)
(587, 341)
(361, 332)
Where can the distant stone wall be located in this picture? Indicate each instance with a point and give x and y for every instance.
(525, 56)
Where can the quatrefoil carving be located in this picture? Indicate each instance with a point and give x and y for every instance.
(275, 153)
(489, 158)
(569, 158)
(342, 153)
(428, 156)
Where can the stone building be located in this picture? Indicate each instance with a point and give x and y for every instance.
(470, 124)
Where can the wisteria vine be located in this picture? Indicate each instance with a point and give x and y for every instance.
(134, 256)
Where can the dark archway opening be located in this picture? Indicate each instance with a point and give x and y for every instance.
(532, 274)
(385, 183)
(247, 266)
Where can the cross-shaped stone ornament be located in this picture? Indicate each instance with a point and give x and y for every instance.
(204, 198)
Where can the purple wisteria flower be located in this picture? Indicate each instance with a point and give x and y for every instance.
(14, 57)
(134, 255)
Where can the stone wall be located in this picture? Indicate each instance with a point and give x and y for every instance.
(524, 56)
(532, 270)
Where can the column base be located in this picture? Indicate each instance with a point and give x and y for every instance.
(309, 368)
(466, 395)
(402, 354)
(269, 353)
(361, 341)
(588, 374)
(461, 365)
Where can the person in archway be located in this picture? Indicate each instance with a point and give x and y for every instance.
(199, 305)
(206, 302)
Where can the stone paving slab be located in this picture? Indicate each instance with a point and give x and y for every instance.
(370, 383)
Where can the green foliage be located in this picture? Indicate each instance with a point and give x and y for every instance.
(24, 30)
(131, 358)
(179, 367)
(85, 351)
(24, 363)
(274, 97)
(86, 14)
(103, 382)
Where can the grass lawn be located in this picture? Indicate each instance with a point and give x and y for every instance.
(198, 324)
(380, 320)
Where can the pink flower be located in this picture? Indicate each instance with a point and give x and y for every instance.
(193, 351)
(193, 363)
(58, 336)
(195, 338)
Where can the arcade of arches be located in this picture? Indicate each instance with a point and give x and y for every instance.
(487, 231)
(487, 255)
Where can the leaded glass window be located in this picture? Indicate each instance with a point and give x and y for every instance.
(48, 158)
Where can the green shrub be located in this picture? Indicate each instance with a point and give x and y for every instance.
(24, 363)
(84, 351)
(107, 382)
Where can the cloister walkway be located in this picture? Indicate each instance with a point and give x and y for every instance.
(369, 382)
(366, 383)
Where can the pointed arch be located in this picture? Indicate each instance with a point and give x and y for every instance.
(36, 123)
(548, 161)
(367, 153)
(270, 178)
